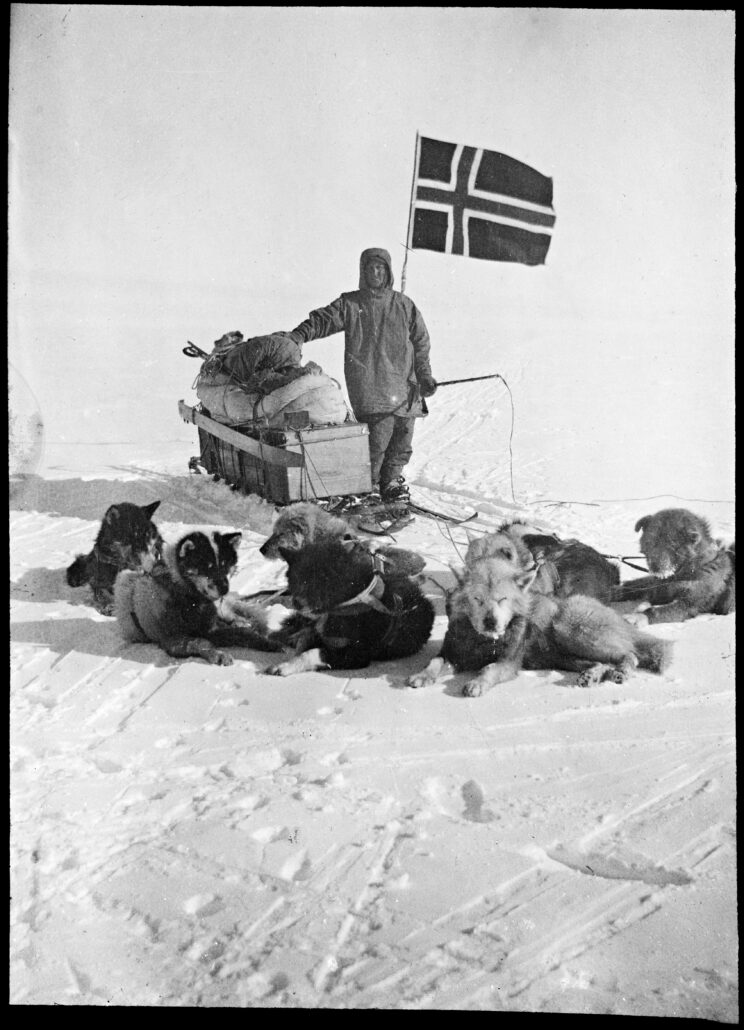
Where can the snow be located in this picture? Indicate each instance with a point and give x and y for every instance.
(193, 835)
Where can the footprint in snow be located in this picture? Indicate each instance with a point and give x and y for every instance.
(474, 799)
(203, 905)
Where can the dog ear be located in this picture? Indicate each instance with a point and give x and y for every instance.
(642, 523)
(229, 538)
(458, 574)
(526, 579)
(149, 509)
(112, 514)
(185, 547)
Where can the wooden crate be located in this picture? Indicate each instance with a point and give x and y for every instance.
(285, 465)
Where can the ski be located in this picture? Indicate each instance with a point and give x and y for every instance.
(383, 528)
(453, 520)
(398, 512)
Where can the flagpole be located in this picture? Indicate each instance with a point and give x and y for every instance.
(410, 212)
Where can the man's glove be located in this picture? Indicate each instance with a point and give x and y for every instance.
(427, 386)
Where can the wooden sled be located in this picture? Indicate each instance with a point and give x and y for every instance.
(285, 465)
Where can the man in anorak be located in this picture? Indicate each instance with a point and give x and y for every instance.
(386, 365)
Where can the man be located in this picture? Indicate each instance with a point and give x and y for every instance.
(386, 365)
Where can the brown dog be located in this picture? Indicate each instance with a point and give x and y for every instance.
(567, 567)
(307, 523)
(691, 572)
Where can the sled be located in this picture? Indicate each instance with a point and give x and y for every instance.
(284, 465)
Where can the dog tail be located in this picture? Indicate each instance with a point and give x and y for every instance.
(77, 573)
(653, 654)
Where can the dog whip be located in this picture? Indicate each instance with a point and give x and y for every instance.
(451, 382)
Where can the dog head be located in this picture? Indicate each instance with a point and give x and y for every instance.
(506, 545)
(672, 538)
(302, 523)
(323, 575)
(203, 563)
(490, 594)
(130, 536)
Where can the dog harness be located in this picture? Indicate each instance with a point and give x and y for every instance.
(370, 597)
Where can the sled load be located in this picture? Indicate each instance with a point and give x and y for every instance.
(271, 426)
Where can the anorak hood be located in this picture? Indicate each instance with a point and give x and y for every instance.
(381, 255)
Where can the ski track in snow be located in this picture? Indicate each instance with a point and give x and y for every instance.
(190, 835)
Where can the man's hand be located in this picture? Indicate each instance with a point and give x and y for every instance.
(427, 386)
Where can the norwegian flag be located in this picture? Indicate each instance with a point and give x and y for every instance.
(480, 204)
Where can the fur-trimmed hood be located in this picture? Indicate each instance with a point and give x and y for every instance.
(381, 255)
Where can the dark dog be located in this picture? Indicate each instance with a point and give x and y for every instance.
(566, 566)
(183, 604)
(692, 572)
(306, 523)
(359, 611)
(127, 539)
(578, 568)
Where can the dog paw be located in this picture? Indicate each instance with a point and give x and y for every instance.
(419, 679)
(614, 676)
(591, 677)
(474, 688)
(219, 658)
(282, 669)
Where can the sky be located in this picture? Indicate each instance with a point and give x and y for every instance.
(179, 172)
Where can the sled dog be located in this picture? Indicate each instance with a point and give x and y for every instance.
(567, 566)
(351, 609)
(127, 539)
(469, 644)
(575, 634)
(183, 604)
(305, 523)
(691, 572)
(499, 580)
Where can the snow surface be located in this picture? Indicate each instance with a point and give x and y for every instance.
(184, 834)
(191, 835)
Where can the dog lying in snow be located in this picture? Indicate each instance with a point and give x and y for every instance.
(577, 634)
(127, 539)
(471, 643)
(306, 523)
(691, 572)
(566, 566)
(504, 625)
(182, 604)
(352, 609)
